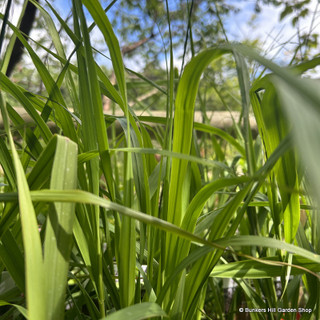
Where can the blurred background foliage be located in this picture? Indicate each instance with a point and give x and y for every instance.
(142, 30)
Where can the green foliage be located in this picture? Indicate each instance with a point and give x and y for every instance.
(140, 217)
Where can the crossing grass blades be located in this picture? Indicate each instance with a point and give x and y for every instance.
(95, 226)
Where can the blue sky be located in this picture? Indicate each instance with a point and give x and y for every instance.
(268, 28)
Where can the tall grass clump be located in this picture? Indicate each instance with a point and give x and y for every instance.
(98, 222)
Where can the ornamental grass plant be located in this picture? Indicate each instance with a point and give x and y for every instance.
(98, 222)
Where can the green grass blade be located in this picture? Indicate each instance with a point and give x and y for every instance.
(244, 83)
(5, 61)
(203, 161)
(236, 241)
(59, 226)
(127, 257)
(12, 258)
(196, 206)
(30, 138)
(31, 238)
(305, 124)
(94, 88)
(4, 23)
(305, 66)
(202, 128)
(80, 196)
(52, 88)
(102, 21)
(247, 240)
(21, 309)
(14, 90)
(183, 125)
(145, 310)
(7, 164)
(182, 137)
(248, 269)
(37, 178)
(274, 127)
